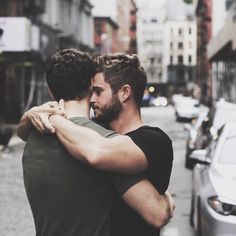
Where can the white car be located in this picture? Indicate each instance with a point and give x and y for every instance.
(187, 108)
(213, 206)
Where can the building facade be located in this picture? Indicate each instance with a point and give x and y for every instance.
(204, 34)
(150, 31)
(115, 26)
(30, 32)
(180, 54)
(105, 34)
(222, 55)
(126, 18)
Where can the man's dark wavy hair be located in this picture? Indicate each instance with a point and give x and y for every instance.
(69, 73)
(120, 69)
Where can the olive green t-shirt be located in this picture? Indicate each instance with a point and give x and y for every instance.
(67, 197)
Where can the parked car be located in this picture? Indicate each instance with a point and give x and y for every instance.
(196, 138)
(186, 108)
(200, 136)
(213, 205)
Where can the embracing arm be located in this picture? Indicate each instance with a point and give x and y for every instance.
(38, 117)
(118, 154)
(24, 127)
(154, 208)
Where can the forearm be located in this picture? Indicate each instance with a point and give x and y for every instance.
(24, 127)
(73, 138)
(117, 154)
(38, 117)
(154, 208)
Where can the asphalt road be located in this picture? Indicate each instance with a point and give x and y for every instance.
(15, 215)
(180, 185)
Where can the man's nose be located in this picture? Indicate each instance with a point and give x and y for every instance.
(92, 98)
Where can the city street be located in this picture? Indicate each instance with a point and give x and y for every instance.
(15, 214)
(180, 185)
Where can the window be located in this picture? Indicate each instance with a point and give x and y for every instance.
(171, 45)
(98, 27)
(154, 20)
(189, 59)
(180, 45)
(180, 32)
(189, 30)
(171, 59)
(190, 44)
(180, 59)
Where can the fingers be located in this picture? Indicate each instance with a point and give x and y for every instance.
(37, 124)
(52, 104)
(47, 125)
(62, 107)
(39, 115)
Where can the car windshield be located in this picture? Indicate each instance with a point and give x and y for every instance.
(228, 153)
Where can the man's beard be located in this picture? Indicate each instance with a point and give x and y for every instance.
(109, 112)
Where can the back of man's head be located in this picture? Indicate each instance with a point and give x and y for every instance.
(119, 69)
(69, 73)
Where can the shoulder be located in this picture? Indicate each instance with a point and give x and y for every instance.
(85, 122)
(150, 133)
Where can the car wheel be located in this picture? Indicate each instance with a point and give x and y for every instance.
(199, 224)
(191, 219)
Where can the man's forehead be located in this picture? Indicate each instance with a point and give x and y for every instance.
(98, 81)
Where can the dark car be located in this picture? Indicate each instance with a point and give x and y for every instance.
(197, 136)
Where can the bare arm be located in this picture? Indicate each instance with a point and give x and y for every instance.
(154, 208)
(38, 117)
(118, 154)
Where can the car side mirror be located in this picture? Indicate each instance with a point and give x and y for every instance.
(200, 157)
(187, 127)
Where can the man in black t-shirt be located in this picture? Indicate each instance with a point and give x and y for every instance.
(117, 90)
(123, 160)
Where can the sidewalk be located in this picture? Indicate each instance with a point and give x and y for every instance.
(15, 215)
(14, 142)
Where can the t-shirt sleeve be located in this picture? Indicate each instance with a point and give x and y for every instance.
(157, 147)
(122, 182)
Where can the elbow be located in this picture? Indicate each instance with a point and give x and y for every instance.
(157, 223)
(159, 219)
(94, 159)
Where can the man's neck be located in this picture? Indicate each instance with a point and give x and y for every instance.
(77, 108)
(128, 120)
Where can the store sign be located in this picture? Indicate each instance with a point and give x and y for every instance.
(18, 35)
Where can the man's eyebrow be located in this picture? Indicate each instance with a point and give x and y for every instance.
(97, 88)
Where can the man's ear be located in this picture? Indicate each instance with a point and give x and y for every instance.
(124, 93)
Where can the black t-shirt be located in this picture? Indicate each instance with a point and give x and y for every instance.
(157, 147)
